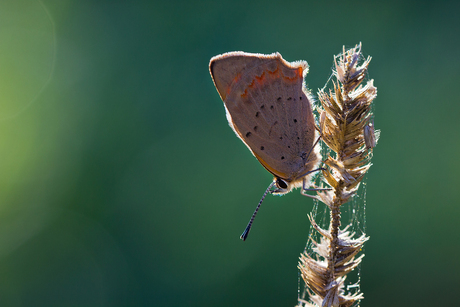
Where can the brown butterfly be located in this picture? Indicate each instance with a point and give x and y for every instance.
(269, 108)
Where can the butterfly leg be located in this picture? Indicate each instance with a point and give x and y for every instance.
(308, 195)
(304, 186)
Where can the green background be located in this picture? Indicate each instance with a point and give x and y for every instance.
(122, 185)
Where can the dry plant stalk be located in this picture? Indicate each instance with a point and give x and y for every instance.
(346, 129)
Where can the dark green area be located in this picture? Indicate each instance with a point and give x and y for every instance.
(122, 184)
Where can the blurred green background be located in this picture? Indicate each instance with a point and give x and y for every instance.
(122, 185)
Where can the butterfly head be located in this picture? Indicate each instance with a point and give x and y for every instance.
(282, 186)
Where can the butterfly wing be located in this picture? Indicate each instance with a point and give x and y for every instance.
(268, 109)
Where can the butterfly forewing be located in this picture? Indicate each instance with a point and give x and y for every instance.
(268, 109)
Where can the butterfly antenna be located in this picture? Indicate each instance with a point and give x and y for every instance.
(248, 228)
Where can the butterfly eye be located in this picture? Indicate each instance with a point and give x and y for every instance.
(280, 183)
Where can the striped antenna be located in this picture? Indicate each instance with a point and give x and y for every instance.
(248, 228)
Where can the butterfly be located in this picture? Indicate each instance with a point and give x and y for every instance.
(269, 108)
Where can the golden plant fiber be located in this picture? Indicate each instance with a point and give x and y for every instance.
(346, 129)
